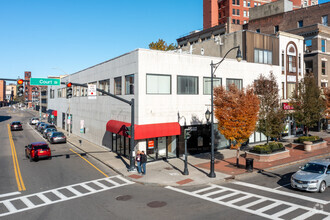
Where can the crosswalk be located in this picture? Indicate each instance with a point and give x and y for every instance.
(32, 201)
(252, 203)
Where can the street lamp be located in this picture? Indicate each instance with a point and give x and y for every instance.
(214, 67)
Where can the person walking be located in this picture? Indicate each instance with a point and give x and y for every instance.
(138, 161)
(143, 162)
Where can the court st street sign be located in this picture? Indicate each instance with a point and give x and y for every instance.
(45, 82)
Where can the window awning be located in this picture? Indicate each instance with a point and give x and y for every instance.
(51, 112)
(145, 131)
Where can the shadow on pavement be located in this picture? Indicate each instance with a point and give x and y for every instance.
(4, 118)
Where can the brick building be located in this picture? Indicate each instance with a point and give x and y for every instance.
(2, 93)
(217, 12)
(310, 23)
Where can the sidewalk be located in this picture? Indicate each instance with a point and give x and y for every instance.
(170, 173)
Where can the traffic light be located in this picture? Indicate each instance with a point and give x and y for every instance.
(20, 88)
(128, 130)
(69, 90)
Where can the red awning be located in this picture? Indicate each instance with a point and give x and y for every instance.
(145, 131)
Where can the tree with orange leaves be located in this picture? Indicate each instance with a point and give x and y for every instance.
(237, 114)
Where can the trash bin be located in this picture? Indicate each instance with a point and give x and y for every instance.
(249, 164)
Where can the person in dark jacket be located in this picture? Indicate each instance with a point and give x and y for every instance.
(143, 162)
(138, 160)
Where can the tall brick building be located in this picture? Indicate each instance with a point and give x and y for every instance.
(217, 12)
(311, 23)
(2, 93)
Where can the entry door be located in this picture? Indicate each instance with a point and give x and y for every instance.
(63, 121)
(162, 147)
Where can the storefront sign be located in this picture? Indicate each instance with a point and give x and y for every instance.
(151, 144)
(287, 106)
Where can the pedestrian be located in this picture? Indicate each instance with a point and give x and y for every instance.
(138, 161)
(143, 162)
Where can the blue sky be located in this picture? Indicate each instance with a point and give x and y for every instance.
(53, 37)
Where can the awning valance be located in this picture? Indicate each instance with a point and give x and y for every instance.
(145, 131)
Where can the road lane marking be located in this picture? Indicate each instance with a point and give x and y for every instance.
(18, 175)
(89, 163)
(261, 201)
(307, 198)
(283, 186)
(43, 196)
(9, 194)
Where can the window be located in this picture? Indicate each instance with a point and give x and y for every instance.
(258, 30)
(255, 4)
(187, 85)
(263, 56)
(308, 45)
(244, 3)
(300, 23)
(233, 11)
(282, 62)
(118, 86)
(158, 84)
(299, 64)
(237, 2)
(323, 67)
(238, 22)
(51, 94)
(244, 13)
(309, 66)
(291, 89)
(276, 29)
(237, 82)
(103, 85)
(237, 11)
(283, 90)
(292, 63)
(129, 84)
(325, 20)
(248, 13)
(207, 84)
(234, 2)
(244, 22)
(259, 4)
(219, 14)
(234, 21)
(59, 93)
(248, 4)
(323, 45)
(324, 85)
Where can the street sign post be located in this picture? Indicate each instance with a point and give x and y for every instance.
(45, 82)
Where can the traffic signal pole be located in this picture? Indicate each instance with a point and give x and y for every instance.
(131, 103)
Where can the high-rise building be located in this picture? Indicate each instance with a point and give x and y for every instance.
(217, 12)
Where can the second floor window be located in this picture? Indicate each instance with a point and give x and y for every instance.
(323, 68)
(118, 86)
(292, 64)
(300, 23)
(237, 82)
(323, 45)
(207, 84)
(158, 84)
(308, 45)
(188, 85)
(234, 11)
(263, 56)
(276, 29)
(129, 84)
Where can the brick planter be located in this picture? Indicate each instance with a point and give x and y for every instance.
(309, 146)
(268, 157)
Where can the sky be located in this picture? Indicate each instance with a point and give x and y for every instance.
(56, 37)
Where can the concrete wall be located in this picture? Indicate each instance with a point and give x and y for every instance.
(270, 9)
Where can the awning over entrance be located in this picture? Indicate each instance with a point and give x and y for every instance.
(145, 131)
(51, 112)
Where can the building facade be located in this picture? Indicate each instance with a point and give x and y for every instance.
(310, 23)
(11, 92)
(2, 93)
(171, 92)
(217, 12)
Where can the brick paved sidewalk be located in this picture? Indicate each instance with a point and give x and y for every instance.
(228, 166)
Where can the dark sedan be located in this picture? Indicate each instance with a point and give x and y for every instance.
(47, 130)
(57, 137)
(16, 125)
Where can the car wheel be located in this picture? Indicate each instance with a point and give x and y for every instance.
(323, 186)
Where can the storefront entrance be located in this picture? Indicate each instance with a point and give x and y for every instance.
(161, 147)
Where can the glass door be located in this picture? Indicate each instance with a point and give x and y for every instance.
(162, 147)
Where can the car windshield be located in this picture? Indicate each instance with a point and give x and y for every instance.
(314, 168)
(41, 147)
(16, 123)
(58, 134)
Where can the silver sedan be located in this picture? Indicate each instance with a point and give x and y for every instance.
(314, 176)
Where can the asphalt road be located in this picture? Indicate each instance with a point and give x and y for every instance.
(71, 188)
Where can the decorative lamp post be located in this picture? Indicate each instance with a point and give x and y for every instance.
(214, 67)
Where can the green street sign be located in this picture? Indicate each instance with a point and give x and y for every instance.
(45, 82)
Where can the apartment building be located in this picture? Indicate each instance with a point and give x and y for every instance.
(216, 12)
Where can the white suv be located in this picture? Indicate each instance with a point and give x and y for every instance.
(34, 121)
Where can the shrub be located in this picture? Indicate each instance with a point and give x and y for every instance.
(267, 148)
(308, 138)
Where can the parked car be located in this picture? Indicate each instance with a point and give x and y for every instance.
(16, 125)
(56, 137)
(37, 124)
(34, 120)
(48, 126)
(314, 176)
(41, 127)
(48, 130)
(37, 150)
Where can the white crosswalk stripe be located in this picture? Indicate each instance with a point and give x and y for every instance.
(9, 208)
(260, 206)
